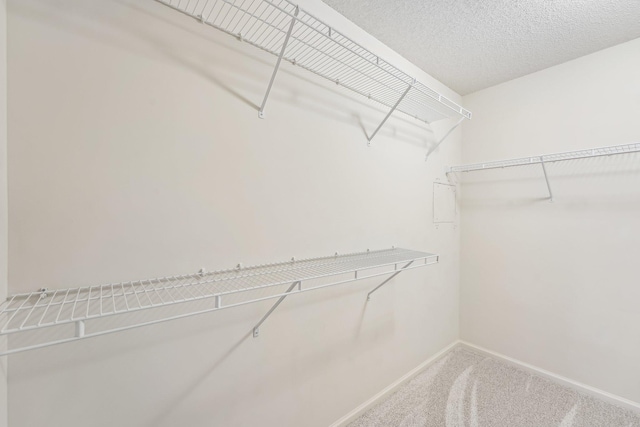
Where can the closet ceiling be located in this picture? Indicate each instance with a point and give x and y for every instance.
(470, 45)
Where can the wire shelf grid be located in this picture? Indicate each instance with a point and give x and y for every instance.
(223, 289)
(317, 47)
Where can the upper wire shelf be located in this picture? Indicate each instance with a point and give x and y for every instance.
(319, 48)
(550, 158)
(84, 307)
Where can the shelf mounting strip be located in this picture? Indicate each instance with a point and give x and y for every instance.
(549, 158)
(66, 315)
(288, 32)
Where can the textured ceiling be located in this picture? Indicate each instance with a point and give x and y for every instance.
(473, 44)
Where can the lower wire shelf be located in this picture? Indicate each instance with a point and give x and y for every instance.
(47, 317)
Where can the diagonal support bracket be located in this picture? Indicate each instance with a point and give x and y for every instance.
(388, 279)
(546, 178)
(256, 329)
(390, 112)
(435, 147)
(277, 67)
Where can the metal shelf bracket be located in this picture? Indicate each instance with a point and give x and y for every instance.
(298, 284)
(256, 329)
(388, 279)
(437, 144)
(546, 178)
(277, 67)
(390, 112)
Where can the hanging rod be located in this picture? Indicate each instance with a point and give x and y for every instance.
(550, 158)
(288, 32)
(84, 312)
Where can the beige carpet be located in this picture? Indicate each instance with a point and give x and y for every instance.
(466, 389)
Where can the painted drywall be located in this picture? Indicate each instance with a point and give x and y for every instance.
(556, 284)
(4, 212)
(135, 151)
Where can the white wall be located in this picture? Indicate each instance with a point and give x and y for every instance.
(135, 151)
(556, 284)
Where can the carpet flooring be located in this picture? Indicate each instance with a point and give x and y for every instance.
(467, 389)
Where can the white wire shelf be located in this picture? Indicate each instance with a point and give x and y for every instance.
(81, 307)
(612, 150)
(283, 29)
(550, 158)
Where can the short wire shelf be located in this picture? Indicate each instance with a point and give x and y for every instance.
(550, 158)
(543, 160)
(80, 306)
(285, 30)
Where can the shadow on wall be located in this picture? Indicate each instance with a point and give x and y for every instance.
(102, 22)
(320, 355)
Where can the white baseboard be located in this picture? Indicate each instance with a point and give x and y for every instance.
(575, 385)
(392, 387)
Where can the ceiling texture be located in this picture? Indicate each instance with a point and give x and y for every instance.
(470, 45)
